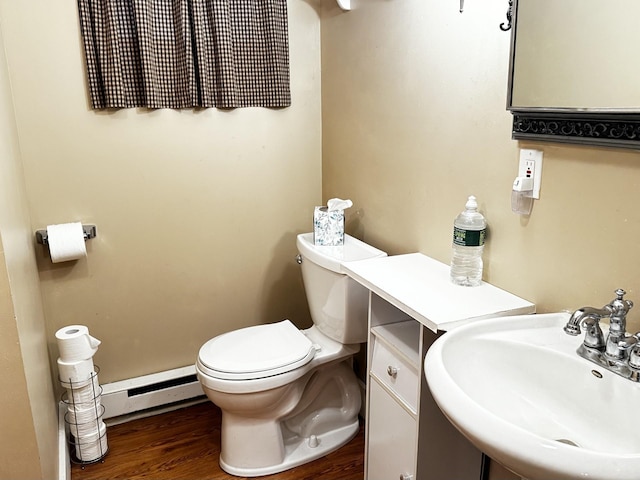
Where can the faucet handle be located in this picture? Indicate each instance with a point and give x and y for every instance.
(619, 308)
(634, 357)
(619, 303)
(631, 344)
(628, 342)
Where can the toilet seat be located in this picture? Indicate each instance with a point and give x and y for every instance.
(256, 352)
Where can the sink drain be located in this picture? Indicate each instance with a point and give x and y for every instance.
(567, 442)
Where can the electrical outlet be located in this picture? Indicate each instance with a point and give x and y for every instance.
(531, 167)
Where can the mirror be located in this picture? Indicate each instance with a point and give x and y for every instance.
(573, 77)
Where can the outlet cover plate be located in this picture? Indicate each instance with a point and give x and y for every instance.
(531, 164)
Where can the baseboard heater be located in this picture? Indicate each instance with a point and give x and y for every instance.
(145, 395)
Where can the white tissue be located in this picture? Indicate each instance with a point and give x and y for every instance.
(82, 428)
(94, 445)
(77, 372)
(82, 414)
(75, 343)
(66, 242)
(338, 204)
(87, 396)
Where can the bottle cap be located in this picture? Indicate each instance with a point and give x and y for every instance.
(471, 203)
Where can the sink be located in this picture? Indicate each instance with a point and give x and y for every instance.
(515, 387)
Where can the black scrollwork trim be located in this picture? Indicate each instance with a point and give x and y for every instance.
(614, 130)
(506, 26)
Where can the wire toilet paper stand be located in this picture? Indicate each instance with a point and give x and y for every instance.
(87, 433)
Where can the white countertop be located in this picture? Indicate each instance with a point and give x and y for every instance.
(420, 286)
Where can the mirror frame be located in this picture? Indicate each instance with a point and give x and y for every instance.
(619, 128)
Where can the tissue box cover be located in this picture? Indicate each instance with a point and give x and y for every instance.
(328, 227)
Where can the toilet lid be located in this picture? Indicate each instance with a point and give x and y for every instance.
(257, 352)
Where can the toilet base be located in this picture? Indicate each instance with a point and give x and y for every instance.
(300, 450)
(295, 422)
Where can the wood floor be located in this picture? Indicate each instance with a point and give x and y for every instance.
(185, 444)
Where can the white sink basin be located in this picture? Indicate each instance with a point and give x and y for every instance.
(515, 387)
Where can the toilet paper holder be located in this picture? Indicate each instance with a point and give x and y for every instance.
(90, 231)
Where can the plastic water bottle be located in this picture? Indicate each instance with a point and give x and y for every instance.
(469, 231)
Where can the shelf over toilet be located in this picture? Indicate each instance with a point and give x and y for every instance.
(420, 286)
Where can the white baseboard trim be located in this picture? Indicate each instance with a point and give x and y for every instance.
(110, 422)
(134, 398)
(64, 459)
(150, 393)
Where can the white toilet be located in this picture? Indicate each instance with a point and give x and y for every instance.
(289, 396)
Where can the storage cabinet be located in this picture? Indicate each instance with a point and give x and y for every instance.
(408, 438)
(393, 400)
(411, 303)
(391, 452)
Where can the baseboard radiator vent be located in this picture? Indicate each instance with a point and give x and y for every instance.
(151, 394)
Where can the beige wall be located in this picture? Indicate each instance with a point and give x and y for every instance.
(28, 412)
(196, 211)
(18, 443)
(414, 120)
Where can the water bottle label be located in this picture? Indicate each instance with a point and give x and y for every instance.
(469, 238)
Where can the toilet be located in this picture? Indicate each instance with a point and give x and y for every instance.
(290, 396)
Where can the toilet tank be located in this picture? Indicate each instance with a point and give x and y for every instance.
(338, 304)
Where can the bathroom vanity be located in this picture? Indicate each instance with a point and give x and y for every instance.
(412, 302)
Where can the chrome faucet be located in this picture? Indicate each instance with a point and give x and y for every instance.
(619, 352)
(590, 318)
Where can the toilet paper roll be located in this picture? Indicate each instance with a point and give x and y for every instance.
(83, 397)
(75, 343)
(83, 429)
(82, 414)
(84, 422)
(92, 447)
(77, 373)
(66, 242)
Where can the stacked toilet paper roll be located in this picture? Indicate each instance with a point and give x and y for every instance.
(79, 376)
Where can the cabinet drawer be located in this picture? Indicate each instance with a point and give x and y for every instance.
(395, 373)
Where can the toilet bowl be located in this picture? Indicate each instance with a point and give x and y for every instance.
(289, 396)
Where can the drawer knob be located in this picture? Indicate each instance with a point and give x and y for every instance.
(406, 476)
(392, 372)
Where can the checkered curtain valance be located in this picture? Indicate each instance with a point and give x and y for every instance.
(186, 53)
